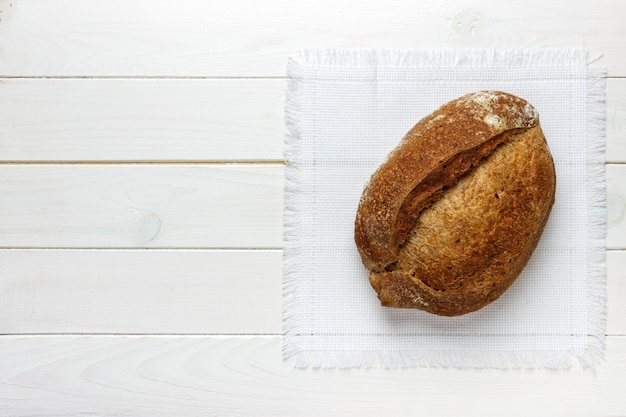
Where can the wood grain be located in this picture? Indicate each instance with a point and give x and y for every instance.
(245, 376)
(616, 286)
(160, 206)
(141, 291)
(169, 291)
(163, 120)
(616, 206)
(616, 120)
(252, 39)
(97, 206)
(155, 120)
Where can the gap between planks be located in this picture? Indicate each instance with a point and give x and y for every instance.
(156, 335)
(198, 162)
(172, 248)
(146, 248)
(201, 335)
(167, 77)
(149, 77)
(138, 162)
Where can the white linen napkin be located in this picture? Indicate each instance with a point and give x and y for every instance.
(346, 110)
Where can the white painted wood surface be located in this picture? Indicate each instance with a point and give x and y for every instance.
(244, 376)
(147, 205)
(141, 205)
(170, 291)
(246, 38)
(145, 292)
(616, 120)
(141, 119)
(172, 120)
(160, 206)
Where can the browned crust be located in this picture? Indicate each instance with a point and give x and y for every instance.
(428, 225)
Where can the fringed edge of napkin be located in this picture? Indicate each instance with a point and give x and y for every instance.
(441, 58)
(479, 359)
(291, 215)
(589, 351)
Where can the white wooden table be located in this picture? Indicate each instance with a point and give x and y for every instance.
(141, 181)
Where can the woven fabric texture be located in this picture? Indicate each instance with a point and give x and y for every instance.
(346, 110)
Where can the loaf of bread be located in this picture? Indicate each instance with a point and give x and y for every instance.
(450, 219)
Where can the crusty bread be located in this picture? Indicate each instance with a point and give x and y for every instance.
(450, 219)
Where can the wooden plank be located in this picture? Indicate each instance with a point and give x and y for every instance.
(207, 206)
(245, 376)
(165, 291)
(616, 206)
(172, 119)
(141, 120)
(139, 291)
(244, 38)
(616, 120)
(616, 293)
(204, 206)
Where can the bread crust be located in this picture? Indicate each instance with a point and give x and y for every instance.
(450, 219)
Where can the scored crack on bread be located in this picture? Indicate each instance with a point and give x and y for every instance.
(453, 215)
